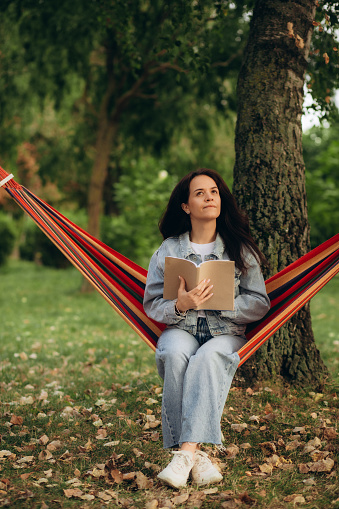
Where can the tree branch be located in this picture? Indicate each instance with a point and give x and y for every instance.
(229, 61)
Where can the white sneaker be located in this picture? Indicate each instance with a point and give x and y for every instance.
(177, 471)
(203, 471)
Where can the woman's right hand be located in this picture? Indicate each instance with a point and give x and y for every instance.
(194, 298)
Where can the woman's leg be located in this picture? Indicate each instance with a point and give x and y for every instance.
(174, 350)
(208, 378)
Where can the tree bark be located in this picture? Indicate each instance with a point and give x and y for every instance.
(103, 147)
(269, 172)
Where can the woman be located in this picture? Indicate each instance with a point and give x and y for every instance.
(197, 353)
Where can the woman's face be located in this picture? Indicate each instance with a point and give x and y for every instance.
(204, 203)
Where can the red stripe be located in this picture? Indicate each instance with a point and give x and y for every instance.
(308, 277)
(305, 258)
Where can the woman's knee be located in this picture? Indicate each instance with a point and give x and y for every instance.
(176, 345)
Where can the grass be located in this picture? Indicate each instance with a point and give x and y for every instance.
(80, 411)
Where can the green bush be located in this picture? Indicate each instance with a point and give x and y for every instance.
(142, 196)
(7, 237)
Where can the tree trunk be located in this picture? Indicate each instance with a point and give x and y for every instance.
(106, 133)
(103, 147)
(269, 172)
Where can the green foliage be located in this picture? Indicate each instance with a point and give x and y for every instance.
(322, 73)
(141, 196)
(7, 237)
(321, 155)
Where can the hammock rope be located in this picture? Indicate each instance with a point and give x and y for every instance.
(122, 282)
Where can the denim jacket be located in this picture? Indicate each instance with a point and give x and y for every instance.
(251, 301)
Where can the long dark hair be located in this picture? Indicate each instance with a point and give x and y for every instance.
(232, 223)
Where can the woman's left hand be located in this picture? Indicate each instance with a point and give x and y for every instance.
(191, 300)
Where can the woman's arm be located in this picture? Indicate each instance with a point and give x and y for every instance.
(252, 303)
(155, 306)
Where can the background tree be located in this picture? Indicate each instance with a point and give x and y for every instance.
(321, 156)
(134, 64)
(269, 172)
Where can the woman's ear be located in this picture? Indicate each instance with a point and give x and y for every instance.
(185, 208)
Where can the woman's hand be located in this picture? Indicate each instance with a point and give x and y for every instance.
(193, 299)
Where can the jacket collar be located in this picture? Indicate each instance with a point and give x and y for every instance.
(186, 248)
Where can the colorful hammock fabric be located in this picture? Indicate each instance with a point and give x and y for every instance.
(122, 282)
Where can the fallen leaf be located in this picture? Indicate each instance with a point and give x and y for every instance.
(180, 499)
(268, 408)
(308, 448)
(26, 401)
(319, 455)
(16, 420)
(322, 465)
(129, 476)
(45, 455)
(116, 475)
(229, 504)
(73, 492)
(315, 442)
(87, 497)
(26, 475)
(101, 434)
(273, 460)
(246, 499)
(299, 429)
(303, 468)
(26, 459)
(152, 504)
(309, 482)
(97, 473)
(295, 499)
(266, 469)
(5, 453)
(239, 427)
(104, 496)
(245, 445)
(291, 446)
(151, 401)
(43, 440)
(210, 491)
(330, 433)
(268, 447)
(54, 445)
(231, 451)
(142, 481)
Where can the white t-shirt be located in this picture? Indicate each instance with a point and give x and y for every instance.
(203, 250)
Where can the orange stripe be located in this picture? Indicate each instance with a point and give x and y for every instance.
(68, 253)
(247, 350)
(285, 278)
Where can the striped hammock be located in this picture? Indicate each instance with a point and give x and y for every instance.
(122, 282)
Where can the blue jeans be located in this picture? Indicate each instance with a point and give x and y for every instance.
(197, 373)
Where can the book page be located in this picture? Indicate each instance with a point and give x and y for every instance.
(220, 272)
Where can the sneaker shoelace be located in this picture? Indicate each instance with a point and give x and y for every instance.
(180, 462)
(202, 461)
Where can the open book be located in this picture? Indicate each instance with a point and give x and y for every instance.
(220, 272)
